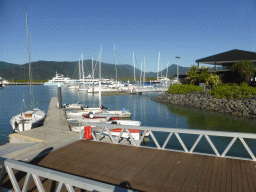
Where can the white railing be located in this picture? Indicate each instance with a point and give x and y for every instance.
(65, 180)
(105, 128)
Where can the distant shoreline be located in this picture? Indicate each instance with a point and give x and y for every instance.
(34, 83)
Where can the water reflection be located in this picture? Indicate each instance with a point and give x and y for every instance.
(210, 120)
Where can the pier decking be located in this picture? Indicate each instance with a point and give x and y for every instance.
(145, 169)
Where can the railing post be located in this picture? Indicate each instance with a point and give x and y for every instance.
(2, 172)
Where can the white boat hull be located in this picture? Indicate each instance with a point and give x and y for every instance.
(125, 122)
(123, 114)
(78, 114)
(22, 122)
(135, 136)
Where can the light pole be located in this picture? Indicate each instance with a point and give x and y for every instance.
(178, 69)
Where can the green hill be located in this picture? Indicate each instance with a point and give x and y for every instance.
(47, 70)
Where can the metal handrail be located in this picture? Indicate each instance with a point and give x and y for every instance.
(64, 179)
(176, 132)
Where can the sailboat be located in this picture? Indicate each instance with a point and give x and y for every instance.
(31, 118)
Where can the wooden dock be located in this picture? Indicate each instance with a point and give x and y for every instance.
(144, 169)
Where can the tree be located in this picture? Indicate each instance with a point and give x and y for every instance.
(196, 75)
(192, 74)
(214, 79)
(245, 69)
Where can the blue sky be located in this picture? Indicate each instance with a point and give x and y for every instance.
(62, 30)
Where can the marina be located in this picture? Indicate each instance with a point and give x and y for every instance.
(129, 165)
(76, 115)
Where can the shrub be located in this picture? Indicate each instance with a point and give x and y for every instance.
(232, 90)
(245, 69)
(184, 88)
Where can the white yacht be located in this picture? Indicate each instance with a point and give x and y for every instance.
(3, 82)
(58, 79)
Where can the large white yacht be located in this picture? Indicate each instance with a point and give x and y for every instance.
(58, 79)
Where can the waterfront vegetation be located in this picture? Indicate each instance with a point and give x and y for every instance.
(225, 91)
(233, 91)
(202, 75)
(244, 70)
(184, 88)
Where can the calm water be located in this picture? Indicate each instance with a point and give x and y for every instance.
(143, 109)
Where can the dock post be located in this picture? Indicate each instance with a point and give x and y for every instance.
(59, 96)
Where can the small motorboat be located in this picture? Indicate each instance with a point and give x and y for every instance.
(77, 114)
(83, 121)
(90, 115)
(27, 120)
(77, 105)
(135, 133)
(122, 113)
(125, 122)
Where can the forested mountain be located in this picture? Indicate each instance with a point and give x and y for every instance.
(47, 70)
(4, 65)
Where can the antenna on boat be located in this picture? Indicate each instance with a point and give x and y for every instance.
(31, 94)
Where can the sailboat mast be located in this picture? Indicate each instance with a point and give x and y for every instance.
(115, 60)
(82, 67)
(31, 95)
(92, 70)
(79, 70)
(134, 79)
(158, 66)
(100, 63)
(144, 71)
(100, 77)
(140, 72)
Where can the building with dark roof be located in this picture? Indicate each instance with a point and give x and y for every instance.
(225, 60)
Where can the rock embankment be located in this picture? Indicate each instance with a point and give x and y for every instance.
(241, 107)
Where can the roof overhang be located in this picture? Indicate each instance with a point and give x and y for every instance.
(229, 57)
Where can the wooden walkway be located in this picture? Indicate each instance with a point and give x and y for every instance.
(145, 169)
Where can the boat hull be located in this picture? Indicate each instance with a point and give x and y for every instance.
(22, 122)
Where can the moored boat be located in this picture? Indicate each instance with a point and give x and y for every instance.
(125, 122)
(90, 115)
(32, 118)
(28, 120)
(77, 114)
(74, 106)
(121, 113)
(58, 79)
(135, 133)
